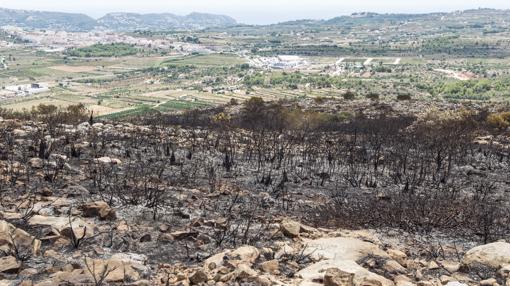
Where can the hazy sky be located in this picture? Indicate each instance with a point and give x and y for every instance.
(254, 11)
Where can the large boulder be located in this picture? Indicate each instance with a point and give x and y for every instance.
(337, 277)
(74, 277)
(63, 225)
(245, 272)
(216, 260)
(108, 161)
(15, 238)
(199, 276)
(242, 255)
(492, 255)
(245, 254)
(290, 228)
(9, 264)
(341, 253)
(345, 248)
(118, 270)
(270, 266)
(360, 275)
(98, 209)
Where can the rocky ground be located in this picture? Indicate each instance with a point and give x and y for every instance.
(295, 255)
(74, 211)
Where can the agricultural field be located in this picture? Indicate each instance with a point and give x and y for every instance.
(212, 67)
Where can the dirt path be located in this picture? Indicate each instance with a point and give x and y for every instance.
(368, 61)
(457, 75)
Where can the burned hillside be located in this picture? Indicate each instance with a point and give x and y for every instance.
(157, 198)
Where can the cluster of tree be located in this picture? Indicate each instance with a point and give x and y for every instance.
(451, 46)
(472, 89)
(293, 80)
(51, 114)
(458, 47)
(219, 75)
(104, 50)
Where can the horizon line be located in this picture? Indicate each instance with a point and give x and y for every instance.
(445, 11)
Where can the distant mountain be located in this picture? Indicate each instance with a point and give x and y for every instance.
(368, 17)
(164, 21)
(112, 21)
(479, 17)
(46, 20)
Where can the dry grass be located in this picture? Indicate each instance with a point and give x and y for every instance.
(74, 69)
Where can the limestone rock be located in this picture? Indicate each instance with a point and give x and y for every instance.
(98, 209)
(215, 261)
(432, 265)
(140, 283)
(489, 282)
(108, 161)
(284, 250)
(345, 248)
(394, 267)
(9, 264)
(62, 225)
(337, 277)
(450, 266)
(11, 237)
(76, 276)
(398, 256)
(504, 271)
(342, 253)
(118, 270)
(270, 266)
(290, 228)
(181, 235)
(246, 254)
(362, 276)
(456, 283)
(493, 255)
(199, 276)
(131, 258)
(164, 228)
(244, 271)
(402, 280)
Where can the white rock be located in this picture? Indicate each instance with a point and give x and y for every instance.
(19, 133)
(493, 255)
(455, 283)
(342, 248)
(315, 272)
(341, 253)
(62, 225)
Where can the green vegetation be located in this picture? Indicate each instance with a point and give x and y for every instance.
(139, 110)
(474, 89)
(102, 50)
(180, 105)
(205, 60)
(462, 59)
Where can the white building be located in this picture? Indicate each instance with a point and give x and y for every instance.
(279, 62)
(28, 89)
